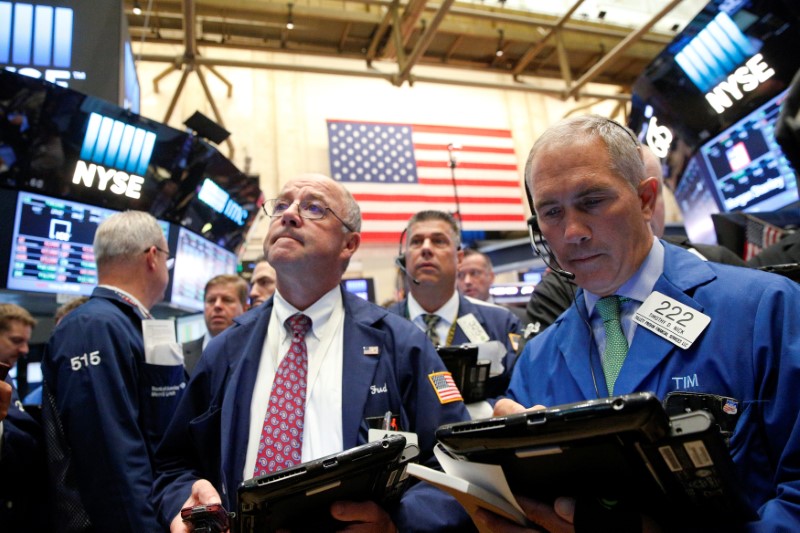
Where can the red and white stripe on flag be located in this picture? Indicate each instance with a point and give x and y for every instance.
(396, 170)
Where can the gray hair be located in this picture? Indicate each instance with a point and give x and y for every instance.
(124, 235)
(431, 214)
(352, 212)
(624, 151)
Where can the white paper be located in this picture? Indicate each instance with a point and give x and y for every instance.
(160, 343)
(494, 352)
(488, 477)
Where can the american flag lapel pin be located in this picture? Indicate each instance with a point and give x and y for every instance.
(371, 350)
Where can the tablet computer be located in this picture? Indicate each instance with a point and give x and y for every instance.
(622, 448)
(298, 498)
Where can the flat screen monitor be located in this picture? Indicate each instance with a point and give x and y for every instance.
(747, 166)
(52, 245)
(364, 288)
(697, 201)
(190, 327)
(197, 260)
(740, 169)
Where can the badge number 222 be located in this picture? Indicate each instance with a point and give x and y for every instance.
(675, 312)
(83, 361)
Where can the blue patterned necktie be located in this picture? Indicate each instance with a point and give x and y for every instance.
(616, 343)
(281, 440)
(430, 328)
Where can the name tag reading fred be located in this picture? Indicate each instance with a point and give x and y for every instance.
(473, 329)
(671, 319)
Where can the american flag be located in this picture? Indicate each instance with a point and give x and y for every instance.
(395, 170)
(445, 387)
(759, 235)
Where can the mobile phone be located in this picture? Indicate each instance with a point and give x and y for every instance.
(4, 369)
(211, 518)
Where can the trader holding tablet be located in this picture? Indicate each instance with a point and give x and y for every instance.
(339, 367)
(650, 316)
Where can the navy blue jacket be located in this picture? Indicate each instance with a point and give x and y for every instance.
(496, 321)
(113, 407)
(750, 351)
(208, 435)
(23, 493)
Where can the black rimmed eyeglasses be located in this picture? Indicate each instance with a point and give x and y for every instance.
(170, 260)
(309, 209)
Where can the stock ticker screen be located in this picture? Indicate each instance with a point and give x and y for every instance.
(52, 245)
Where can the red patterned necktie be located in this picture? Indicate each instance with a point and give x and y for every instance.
(281, 440)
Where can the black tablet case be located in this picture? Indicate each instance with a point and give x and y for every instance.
(298, 498)
(619, 448)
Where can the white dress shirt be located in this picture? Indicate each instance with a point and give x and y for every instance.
(322, 426)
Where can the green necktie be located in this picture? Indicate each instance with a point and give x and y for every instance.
(430, 328)
(616, 343)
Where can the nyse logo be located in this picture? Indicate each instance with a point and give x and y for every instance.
(36, 41)
(120, 182)
(659, 138)
(113, 143)
(743, 80)
(61, 230)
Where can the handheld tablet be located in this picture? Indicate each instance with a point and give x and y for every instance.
(616, 449)
(298, 498)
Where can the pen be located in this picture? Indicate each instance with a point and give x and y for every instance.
(387, 421)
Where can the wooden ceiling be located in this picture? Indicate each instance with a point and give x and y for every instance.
(391, 39)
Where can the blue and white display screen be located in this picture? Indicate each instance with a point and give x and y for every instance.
(197, 260)
(52, 245)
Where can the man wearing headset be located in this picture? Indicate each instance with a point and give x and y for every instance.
(593, 204)
(554, 294)
(431, 259)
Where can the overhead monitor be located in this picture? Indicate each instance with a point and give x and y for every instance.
(52, 245)
(729, 60)
(197, 260)
(740, 169)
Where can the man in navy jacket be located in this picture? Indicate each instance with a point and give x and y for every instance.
(431, 258)
(362, 363)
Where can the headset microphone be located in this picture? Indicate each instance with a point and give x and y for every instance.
(400, 260)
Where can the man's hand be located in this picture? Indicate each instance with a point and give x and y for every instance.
(203, 493)
(5, 399)
(366, 517)
(505, 406)
(555, 519)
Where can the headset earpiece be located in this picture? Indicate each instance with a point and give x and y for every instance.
(400, 260)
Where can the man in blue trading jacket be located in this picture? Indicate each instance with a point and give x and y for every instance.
(362, 362)
(593, 204)
(431, 258)
(23, 505)
(112, 398)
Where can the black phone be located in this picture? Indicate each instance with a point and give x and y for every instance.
(211, 518)
(4, 370)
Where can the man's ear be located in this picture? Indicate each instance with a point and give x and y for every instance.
(352, 242)
(648, 194)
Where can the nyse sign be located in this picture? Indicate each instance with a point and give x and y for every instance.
(743, 80)
(115, 181)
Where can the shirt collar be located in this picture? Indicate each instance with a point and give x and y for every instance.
(129, 298)
(319, 312)
(641, 284)
(447, 312)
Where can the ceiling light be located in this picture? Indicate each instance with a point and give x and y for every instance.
(290, 20)
(137, 9)
(499, 51)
